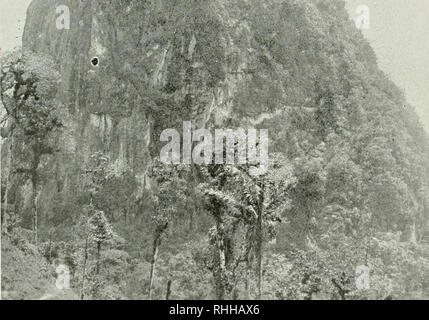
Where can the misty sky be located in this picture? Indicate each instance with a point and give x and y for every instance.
(399, 34)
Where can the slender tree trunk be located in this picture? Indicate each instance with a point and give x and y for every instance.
(82, 295)
(259, 238)
(34, 182)
(167, 296)
(220, 273)
(259, 266)
(98, 257)
(34, 212)
(85, 259)
(50, 247)
(156, 244)
(6, 194)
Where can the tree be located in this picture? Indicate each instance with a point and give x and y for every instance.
(169, 198)
(100, 231)
(94, 176)
(246, 210)
(28, 88)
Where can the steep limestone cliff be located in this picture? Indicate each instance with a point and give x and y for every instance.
(300, 68)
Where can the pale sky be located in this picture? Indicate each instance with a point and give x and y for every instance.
(12, 20)
(399, 34)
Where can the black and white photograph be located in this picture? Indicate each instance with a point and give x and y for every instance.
(220, 150)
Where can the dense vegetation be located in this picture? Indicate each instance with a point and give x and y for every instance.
(347, 185)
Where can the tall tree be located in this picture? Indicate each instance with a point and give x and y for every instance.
(246, 210)
(169, 198)
(28, 87)
(100, 231)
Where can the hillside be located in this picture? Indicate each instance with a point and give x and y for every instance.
(348, 183)
(26, 275)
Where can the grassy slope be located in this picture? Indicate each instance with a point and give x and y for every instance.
(26, 275)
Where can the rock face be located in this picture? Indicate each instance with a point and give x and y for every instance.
(217, 63)
(200, 59)
(159, 64)
(91, 127)
(298, 67)
(110, 105)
